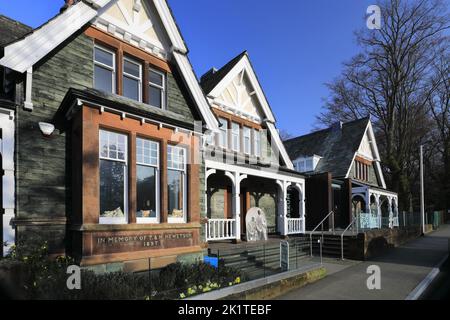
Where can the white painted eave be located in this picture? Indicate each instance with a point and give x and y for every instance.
(23, 54)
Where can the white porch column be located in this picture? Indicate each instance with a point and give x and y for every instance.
(8, 181)
(391, 214)
(237, 205)
(282, 208)
(377, 201)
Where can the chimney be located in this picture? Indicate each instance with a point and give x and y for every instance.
(67, 4)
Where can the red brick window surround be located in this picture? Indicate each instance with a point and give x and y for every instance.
(125, 160)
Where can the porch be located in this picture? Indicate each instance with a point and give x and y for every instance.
(374, 208)
(232, 190)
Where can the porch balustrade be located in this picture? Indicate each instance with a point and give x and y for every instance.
(295, 225)
(368, 221)
(221, 229)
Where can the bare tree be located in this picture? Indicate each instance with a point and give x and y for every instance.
(439, 106)
(285, 135)
(388, 80)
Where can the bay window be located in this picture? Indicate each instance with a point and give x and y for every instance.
(176, 184)
(247, 140)
(113, 177)
(223, 134)
(147, 181)
(104, 69)
(235, 136)
(132, 79)
(156, 88)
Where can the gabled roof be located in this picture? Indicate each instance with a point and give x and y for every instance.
(23, 54)
(336, 145)
(215, 82)
(12, 30)
(212, 78)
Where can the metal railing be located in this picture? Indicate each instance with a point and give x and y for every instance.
(220, 229)
(320, 225)
(355, 221)
(295, 225)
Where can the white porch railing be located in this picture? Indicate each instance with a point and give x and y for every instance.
(368, 220)
(395, 222)
(220, 229)
(295, 225)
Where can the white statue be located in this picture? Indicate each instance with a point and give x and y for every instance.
(256, 225)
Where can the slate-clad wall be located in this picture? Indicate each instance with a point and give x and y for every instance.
(42, 185)
(43, 165)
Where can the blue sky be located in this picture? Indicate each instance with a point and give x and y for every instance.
(295, 45)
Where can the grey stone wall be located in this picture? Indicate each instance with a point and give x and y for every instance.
(176, 101)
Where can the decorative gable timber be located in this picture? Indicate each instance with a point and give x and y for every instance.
(135, 22)
(369, 145)
(236, 87)
(23, 54)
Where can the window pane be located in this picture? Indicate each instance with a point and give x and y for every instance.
(155, 96)
(112, 189)
(131, 88)
(104, 57)
(175, 192)
(103, 79)
(131, 68)
(156, 78)
(147, 152)
(235, 134)
(175, 158)
(146, 192)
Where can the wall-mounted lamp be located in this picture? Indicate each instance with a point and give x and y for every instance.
(46, 128)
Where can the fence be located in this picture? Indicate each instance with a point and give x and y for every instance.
(265, 259)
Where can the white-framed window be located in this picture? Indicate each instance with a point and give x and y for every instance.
(247, 140)
(307, 164)
(223, 134)
(132, 79)
(235, 137)
(156, 88)
(113, 156)
(257, 142)
(176, 184)
(104, 69)
(147, 181)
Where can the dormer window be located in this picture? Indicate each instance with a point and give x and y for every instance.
(307, 164)
(104, 69)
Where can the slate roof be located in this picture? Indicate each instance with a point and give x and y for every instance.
(212, 78)
(11, 30)
(335, 145)
(122, 104)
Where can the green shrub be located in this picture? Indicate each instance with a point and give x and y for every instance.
(43, 278)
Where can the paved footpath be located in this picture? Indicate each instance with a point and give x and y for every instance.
(402, 269)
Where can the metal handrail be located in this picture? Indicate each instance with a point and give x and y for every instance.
(320, 224)
(355, 219)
